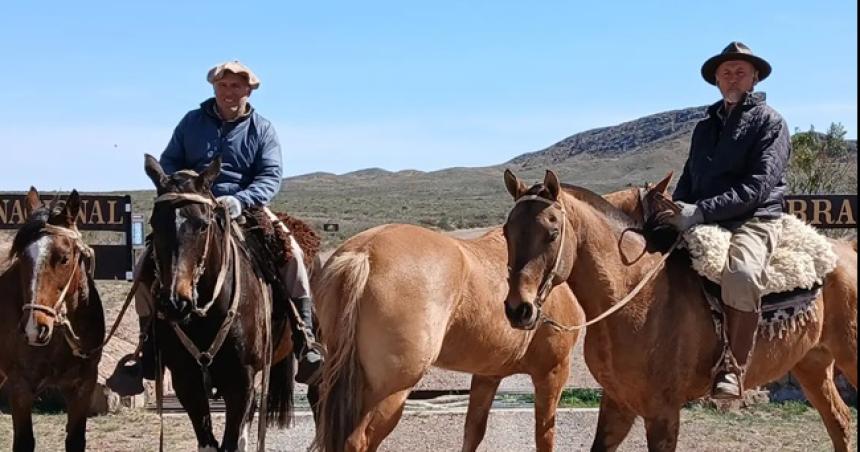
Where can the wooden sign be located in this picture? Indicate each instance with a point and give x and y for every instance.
(98, 213)
(824, 211)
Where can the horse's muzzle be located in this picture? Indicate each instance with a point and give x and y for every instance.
(40, 336)
(175, 308)
(523, 317)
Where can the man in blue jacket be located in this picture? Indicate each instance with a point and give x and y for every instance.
(227, 125)
(735, 177)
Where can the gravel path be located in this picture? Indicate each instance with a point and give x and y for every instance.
(509, 430)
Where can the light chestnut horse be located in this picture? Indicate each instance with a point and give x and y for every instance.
(656, 353)
(396, 299)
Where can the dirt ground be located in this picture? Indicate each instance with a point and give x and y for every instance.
(764, 428)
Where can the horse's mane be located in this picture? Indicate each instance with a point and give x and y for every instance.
(601, 205)
(31, 231)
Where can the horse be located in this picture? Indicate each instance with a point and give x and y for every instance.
(214, 324)
(657, 352)
(51, 319)
(396, 299)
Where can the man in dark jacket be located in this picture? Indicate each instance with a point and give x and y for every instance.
(227, 125)
(735, 177)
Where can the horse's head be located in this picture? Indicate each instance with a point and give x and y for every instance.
(53, 261)
(540, 247)
(182, 229)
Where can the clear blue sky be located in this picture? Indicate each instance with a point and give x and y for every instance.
(88, 87)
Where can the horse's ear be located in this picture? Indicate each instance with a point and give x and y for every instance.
(207, 177)
(154, 171)
(515, 186)
(550, 181)
(663, 185)
(32, 201)
(72, 208)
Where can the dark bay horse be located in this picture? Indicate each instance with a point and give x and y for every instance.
(213, 310)
(51, 319)
(397, 299)
(657, 352)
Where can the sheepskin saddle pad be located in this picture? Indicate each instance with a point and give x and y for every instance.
(802, 258)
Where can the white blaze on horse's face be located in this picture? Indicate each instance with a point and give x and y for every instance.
(37, 253)
(180, 220)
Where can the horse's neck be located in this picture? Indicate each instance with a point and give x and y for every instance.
(86, 312)
(600, 277)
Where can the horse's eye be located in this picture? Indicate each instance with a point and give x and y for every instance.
(203, 223)
(553, 234)
(64, 259)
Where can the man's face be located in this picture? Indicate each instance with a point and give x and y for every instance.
(232, 92)
(734, 78)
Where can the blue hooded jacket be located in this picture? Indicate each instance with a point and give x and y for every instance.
(249, 150)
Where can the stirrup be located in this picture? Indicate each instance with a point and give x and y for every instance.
(127, 377)
(727, 386)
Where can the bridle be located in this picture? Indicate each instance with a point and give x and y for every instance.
(58, 310)
(549, 277)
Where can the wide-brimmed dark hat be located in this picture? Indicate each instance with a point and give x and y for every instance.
(734, 51)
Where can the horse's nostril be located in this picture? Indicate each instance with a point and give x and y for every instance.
(520, 315)
(526, 310)
(42, 333)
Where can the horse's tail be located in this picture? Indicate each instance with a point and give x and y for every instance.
(342, 385)
(279, 403)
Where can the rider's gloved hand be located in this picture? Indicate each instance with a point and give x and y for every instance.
(232, 204)
(683, 217)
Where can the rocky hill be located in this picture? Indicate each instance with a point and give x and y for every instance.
(617, 140)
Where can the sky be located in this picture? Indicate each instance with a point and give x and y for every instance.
(88, 87)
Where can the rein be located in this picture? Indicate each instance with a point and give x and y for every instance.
(648, 276)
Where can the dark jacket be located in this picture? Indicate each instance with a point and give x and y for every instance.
(737, 171)
(249, 149)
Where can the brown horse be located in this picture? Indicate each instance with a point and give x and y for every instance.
(397, 299)
(51, 319)
(213, 311)
(656, 353)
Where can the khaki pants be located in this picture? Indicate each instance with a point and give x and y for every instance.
(294, 274)
(752, 245)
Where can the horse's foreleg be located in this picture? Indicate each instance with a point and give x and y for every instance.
(548, 389)
(613, 424)
(21, 400)
(481, 396)
(188, 385)
(815, 375)
(78, 400)
(239, 402)
(661, 430)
